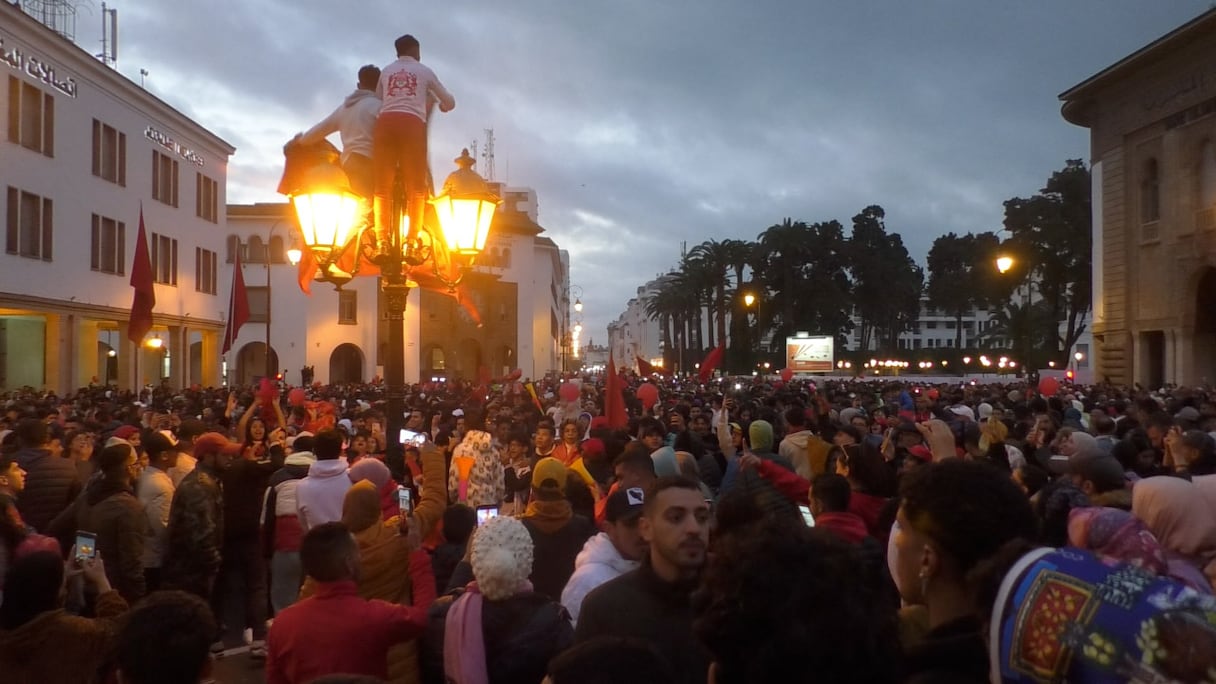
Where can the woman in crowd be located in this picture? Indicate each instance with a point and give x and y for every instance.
(568, 450)
(497, 630)
(872, 481)
(1180, 517)
(80, 450)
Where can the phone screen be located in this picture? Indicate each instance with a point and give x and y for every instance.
(411, 437)
(405, 500)
(86, 545)
(484, 513)
(806, 515)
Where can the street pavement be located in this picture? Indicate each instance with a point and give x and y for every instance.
(235, 666)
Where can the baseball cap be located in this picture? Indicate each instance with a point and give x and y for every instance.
(547, 469)
(168, 434)
(215, 443)
(624, 505)
(1187, 413)
(963, 411)
(157, 443)
(125, 432)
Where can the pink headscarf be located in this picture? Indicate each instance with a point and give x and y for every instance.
(1181, 518)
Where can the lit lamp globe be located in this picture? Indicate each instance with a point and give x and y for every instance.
(749, 299)
(328, 211)
(578, 305)
(294, 255)
(465, 208)
(1004, 263)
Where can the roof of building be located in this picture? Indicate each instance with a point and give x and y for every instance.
(28, 26)
(512, 221)
(1078, 98)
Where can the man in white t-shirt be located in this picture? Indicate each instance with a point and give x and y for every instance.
(407, 90)
(354, 120)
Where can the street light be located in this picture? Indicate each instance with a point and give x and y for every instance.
(330, 218)
(1004, 263)
(578, 305)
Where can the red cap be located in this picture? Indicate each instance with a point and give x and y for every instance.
(593, 449)
(215, 443)
(126, 431)
(921, 452)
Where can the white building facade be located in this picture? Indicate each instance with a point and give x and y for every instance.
(84, 150)
(634, 334)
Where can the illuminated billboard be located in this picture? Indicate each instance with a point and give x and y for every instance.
(810, 353)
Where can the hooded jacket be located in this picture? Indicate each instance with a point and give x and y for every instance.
(111, 511)
(354, 120)
(51, 484)
(598, 562)
(281, 529)
(155, 493)
(806, 451)
(319, 496)
(383, 555)
(848, 527)
(476, 474)
(196, 533)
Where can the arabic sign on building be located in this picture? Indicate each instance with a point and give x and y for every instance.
(37, 68)
(167, 142)
(810, 354)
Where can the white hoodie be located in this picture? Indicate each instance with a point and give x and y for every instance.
(354, 120)
(319, 496)
(598, 562)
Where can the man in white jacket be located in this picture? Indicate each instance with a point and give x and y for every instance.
(613, 552)
(319, 496)
(355, 121)
(155, 493)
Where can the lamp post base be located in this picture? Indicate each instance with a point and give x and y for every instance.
(396, 292)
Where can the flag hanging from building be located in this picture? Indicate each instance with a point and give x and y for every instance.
(646, 369)
(614, 399)
(710, 363)
(145, 289)
(238, 305)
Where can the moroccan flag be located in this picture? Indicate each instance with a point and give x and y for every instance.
(646, 369)
(710, 363)
(614, 399)
(145, 291)
(238, 305)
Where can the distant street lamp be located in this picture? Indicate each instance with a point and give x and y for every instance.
(1004, 263)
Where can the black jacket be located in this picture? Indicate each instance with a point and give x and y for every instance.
(245, 484)
(953, 653)
(555, 553)
(51, 485)
(196, 533)
(521, 634)
(111, 511)
(641, 605)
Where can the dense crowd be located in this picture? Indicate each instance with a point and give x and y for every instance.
(745, 530)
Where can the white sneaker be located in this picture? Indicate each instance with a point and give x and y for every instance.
(247, 636)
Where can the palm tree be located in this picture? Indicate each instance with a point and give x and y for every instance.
(714, 260)
(1021, 326)
(664, 306)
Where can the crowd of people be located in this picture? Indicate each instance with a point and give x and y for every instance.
(759, 531)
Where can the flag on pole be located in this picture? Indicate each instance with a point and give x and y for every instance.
(710, 363)
(535, 399)
(614, 400)
(145, 290)
(238, 305)
(646, 369)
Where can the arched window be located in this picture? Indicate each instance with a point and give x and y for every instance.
(506, 257)
(277, 255)
(256, 250)
(1207, 175)
(1150, 192)
(438, 360)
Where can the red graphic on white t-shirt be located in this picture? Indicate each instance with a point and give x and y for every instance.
(402, 83)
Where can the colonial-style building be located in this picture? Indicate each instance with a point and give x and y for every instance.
(1152, 121)
(84, 151)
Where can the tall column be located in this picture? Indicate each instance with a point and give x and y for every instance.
(84, 341)
(179, 356)
(211, 359)
(127, 352)
(57, 372)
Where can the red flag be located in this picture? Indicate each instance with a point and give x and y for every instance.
(614, 399)
(710, 364)
(645, 368)
(238, 306)
(145, 291)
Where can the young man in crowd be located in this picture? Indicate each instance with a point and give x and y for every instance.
(613, 552)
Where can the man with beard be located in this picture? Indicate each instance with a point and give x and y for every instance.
(653, 603)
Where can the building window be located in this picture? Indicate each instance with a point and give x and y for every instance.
(109, 246)
(164, 178)
(348, 307)
(438, 360)
(31, 117)
(206, 197)
(109, 153)
(164, 259)
(30, 219)
(259, 304)
(1150, 192)
(204, 270)
(255, 251)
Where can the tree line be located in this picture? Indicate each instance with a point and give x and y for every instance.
(813, 277)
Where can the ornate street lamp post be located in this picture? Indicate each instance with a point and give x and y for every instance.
(331, 224)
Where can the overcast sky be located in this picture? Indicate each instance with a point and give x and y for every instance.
(642, 124)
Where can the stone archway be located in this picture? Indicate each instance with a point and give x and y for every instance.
(346, 364)
(251, 363)
(1203, 343)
